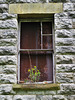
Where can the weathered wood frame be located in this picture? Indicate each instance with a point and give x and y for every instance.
(36, 20)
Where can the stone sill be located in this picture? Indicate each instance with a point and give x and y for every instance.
(37, 86)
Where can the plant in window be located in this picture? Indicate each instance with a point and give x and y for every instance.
(34, 74)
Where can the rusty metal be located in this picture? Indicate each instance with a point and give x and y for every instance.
(31, 53)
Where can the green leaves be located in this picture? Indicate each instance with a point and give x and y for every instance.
(34, 74)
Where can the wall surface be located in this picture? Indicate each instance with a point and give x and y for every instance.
(64, 50)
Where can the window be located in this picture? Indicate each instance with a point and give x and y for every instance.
(36, 48)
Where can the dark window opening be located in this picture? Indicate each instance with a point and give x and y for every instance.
(36, 49)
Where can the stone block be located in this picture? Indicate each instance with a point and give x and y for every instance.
(35, 8)
(8, 60)
(71, 97)
(6, 97)
(8, 24)
(3, 8)
(7, 1)
(4, 16)
(6, 89)
(50, 92)
(59, 97)
(35, 92)
(64, 33)
(65, 68)
(64, 77)
(71, 14)
(8, 78)
(74, 77)
(65, 59)
(24, 97)
(63, 23)
(73, 23)
(8, 33)
(65, 50)
(1, 70)
(2, 1)
(8, 69)
(68, 89)
(28, 1)
(63, 15)
(44, 97)
(8, 42)
(68, 7)
(10, 50)
(65, 42)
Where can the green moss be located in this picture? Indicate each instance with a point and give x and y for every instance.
(37, 86)
(65, 62)
(64, 44)
(39, 89)
(67, 53)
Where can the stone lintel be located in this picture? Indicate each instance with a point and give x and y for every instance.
(37, 86)
(36, 8)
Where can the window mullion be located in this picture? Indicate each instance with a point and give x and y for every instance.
(41, 37)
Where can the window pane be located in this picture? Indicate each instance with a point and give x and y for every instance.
(30, 35)
(42, 61)
(47, 42)
(47, 27)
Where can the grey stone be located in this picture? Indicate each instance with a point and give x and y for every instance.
(73, 1)
(63, 23)
(8, 60)
(71, 14)
(65, 59)
(63, 15)
(6, 89)
(21, 1)
(10, 1)
(8, 42)
(71, 97)
(68, 89)
(36, 92)
(8, 78)
(24, 97)
(10, 50)
(64, 33)
(6, 97)
(65, 41)
(3, 8)
(2, 1)
(8, 69)
(44, 97)
(8, 33)
(28, 1)
(59, 97)
(74, 77)
(8, 24)
(1, 70)
(65, 68)
(50, 92)
(73, 23)
(64, 77)
(4, 16)
(18, 97)
(65, 50)
(68, 7)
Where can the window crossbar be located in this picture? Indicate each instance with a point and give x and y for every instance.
(36, 49)
(47, 34)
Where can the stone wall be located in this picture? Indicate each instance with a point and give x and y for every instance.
(64, 51)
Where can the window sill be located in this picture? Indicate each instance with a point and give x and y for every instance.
(37, 86)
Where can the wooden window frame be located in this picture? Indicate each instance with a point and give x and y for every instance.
(53, 53)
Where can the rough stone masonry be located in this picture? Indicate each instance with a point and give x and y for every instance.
(64, 31)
